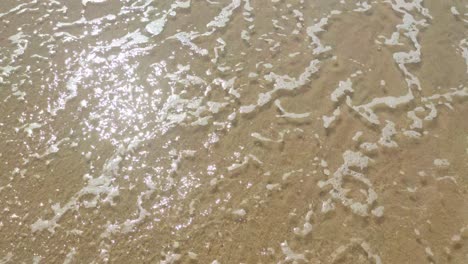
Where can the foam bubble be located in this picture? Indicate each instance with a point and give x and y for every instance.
(378, 211)
(239, 212)
(454, 11)
(441, 163)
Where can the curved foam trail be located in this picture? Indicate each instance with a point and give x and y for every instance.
(218, 49)
(328, 120)
(282, 82)
(288, 114)
(186, 40)
(29, 128)
(316, 28)
(352, 160)
(417, 122)
(156, 27)
(244, 162)
(290, 254)
(410, 25)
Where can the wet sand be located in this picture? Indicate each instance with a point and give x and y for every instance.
(276, 131)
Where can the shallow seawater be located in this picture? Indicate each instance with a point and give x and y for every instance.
(233, 131)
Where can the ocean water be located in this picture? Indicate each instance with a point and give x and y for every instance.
(233, 131)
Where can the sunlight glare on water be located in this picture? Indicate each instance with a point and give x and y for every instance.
(233, 131)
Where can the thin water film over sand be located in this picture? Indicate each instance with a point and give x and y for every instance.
(233, 131)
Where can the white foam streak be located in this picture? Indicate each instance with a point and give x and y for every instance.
(186, 39)
(224, 16)
(96, 187)
(85, 2)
